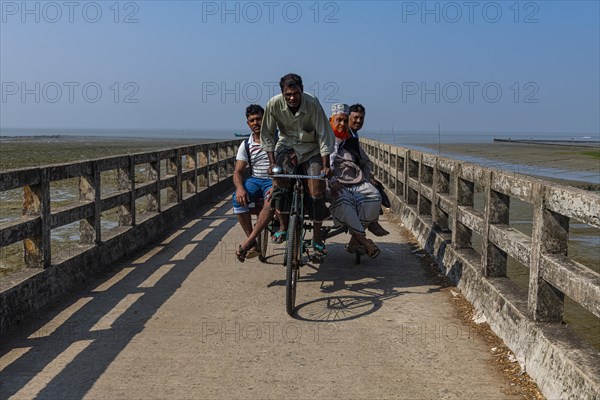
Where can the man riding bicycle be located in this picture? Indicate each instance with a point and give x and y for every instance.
(305, 142)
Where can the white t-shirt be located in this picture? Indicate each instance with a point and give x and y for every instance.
(259, 158)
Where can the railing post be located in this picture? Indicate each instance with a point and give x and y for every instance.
(231, 159)
(441, 184)
(218, 153)
(465, 194)
(124, 182)
(394, 167)
(36, 201)
(208, 161)
(188, 185)
(132, 189)
(97, 203)
(381, 147)
(412, 195)
(549, 235)
(386, 163)
(405, 173)
(173, 169)
(373, 156)
(397, 181)
(194, 160)
(377, 167)
(153, 203)
(496, 211)
(379, 162)
(90, 231)
(179, 175)
(425, 177)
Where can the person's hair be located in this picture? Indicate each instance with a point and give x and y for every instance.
(291, 81)
(357, 108)
(253, 109)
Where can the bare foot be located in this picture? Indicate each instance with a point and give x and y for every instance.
(377, 229)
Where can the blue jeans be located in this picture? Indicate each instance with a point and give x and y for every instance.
(257, 188)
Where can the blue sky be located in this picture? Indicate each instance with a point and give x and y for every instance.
(192, 65)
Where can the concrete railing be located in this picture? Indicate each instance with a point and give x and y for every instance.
(188, 177)
(435, 197)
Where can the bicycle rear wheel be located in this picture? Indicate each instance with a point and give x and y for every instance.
(292, 262)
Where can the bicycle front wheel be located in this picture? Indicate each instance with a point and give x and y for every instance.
(292, 262)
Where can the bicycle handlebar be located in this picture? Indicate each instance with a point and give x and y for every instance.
(292, 176)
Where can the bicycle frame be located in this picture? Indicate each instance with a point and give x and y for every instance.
(295, 244)
(298, 207)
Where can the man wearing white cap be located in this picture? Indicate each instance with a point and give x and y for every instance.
(355, 202)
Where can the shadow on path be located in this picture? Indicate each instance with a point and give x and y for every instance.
(102, 321)
(356, 290)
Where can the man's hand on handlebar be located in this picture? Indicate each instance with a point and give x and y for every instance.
(326, 170)
(274, 170)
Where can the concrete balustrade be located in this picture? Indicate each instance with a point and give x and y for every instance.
(435, 197)
(192, 176)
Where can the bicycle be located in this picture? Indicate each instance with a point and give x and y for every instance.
(296, 244)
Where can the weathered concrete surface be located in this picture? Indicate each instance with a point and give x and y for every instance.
(563, 366)
(185, 319)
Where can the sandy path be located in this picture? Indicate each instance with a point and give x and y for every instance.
(184, 319)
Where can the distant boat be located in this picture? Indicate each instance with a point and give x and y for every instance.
(241, 134)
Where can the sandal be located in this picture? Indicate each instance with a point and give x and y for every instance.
(279, 237)
(372, 249)
(241, 254)
(354, 246)
(252, 252)
(320, 249)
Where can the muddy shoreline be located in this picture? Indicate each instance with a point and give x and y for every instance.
(576, 166)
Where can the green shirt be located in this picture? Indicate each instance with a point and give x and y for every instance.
(308, 132)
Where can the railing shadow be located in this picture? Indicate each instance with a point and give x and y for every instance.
(94, 346)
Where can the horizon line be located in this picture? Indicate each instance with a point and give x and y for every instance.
(368, 131)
